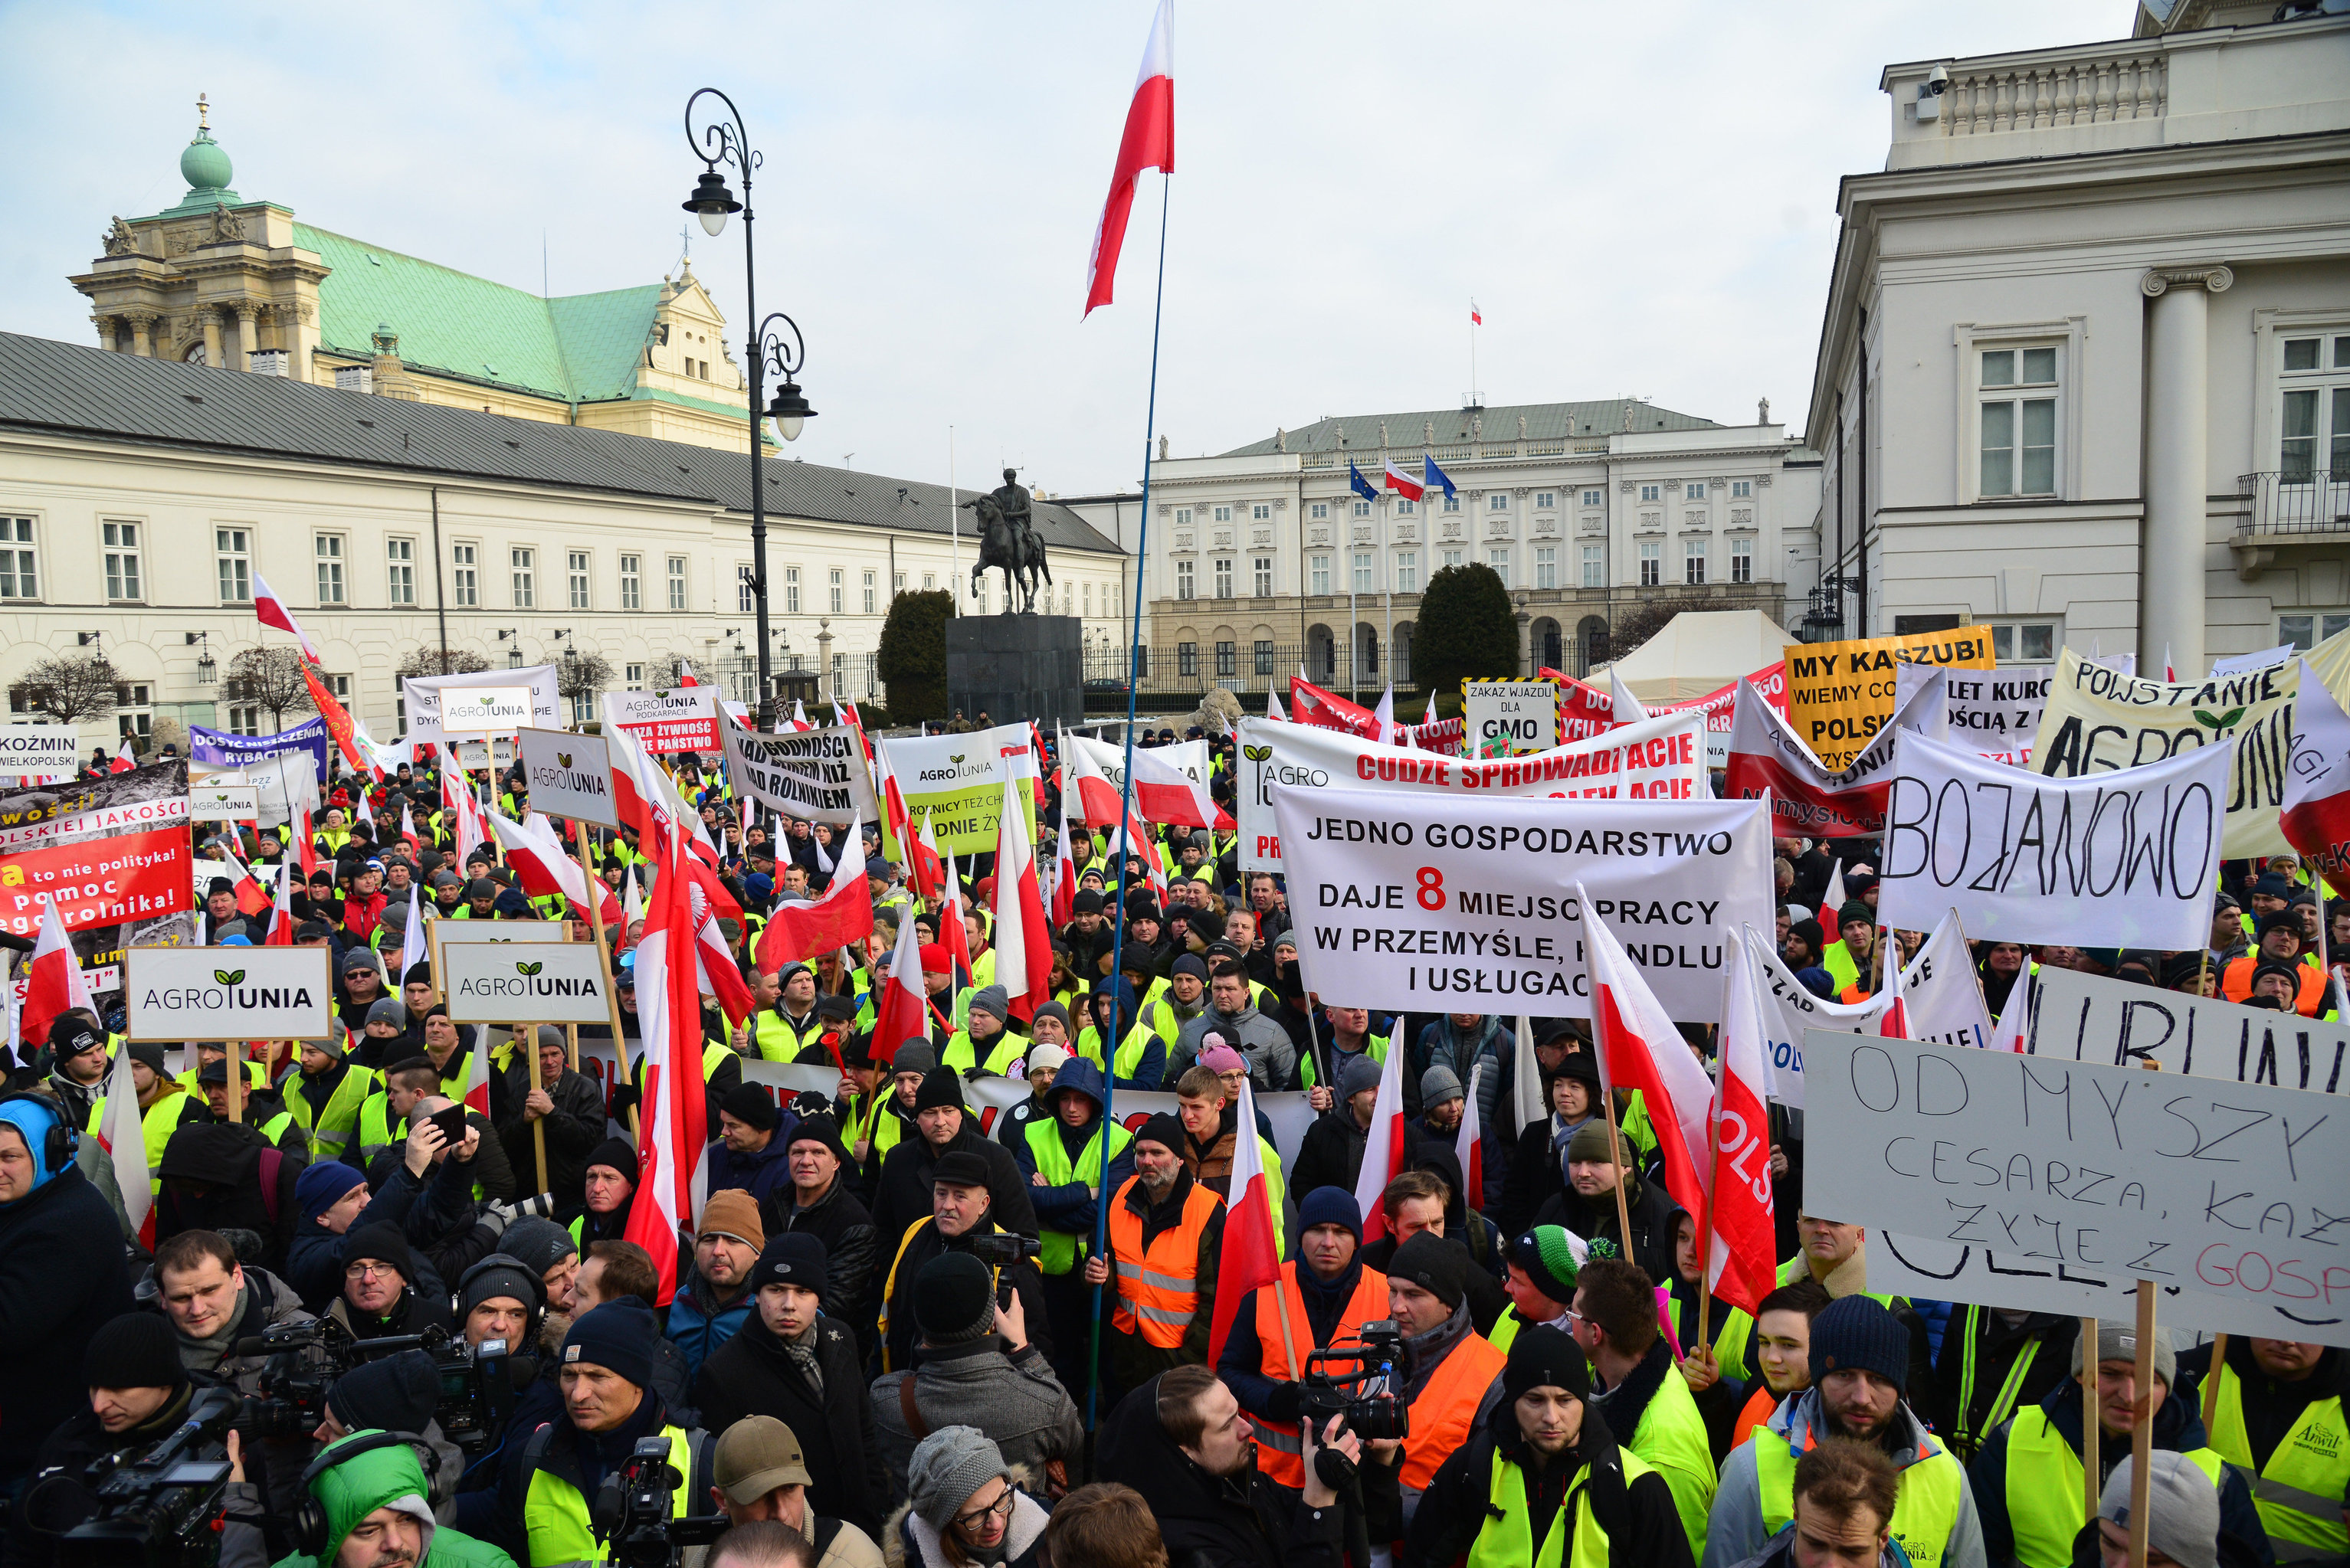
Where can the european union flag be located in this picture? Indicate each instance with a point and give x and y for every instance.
(1436, 476)
(1359, 485)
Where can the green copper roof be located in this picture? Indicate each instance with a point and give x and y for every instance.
(204, 165)
(581, 348)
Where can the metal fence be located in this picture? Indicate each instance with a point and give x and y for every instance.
(1175, 679)
(2296, 501)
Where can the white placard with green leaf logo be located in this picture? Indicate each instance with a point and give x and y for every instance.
(228, 994)
(535, 983)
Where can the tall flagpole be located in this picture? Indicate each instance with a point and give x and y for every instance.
(1117, 939)
(954, 529)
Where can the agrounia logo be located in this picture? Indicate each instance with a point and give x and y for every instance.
(227, 993)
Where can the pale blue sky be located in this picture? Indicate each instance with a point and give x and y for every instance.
(1640, 197)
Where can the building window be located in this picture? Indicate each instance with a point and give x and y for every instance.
(1545, 500)
(1649, 492)
(833, 588)
(2024, 641)
(2316, 426)
(1317, 571)
(897, 583)
(1362, 509)
(1741, 560)
(792, 589)
(1591, 498)
(1224, 576)
(122, 575)
(1498, 559)
(464, 577)
(1451, 502)
(2306, 630)
(930, 581)
(1453, 558)
(1320, 512)
(1407, 572)
(233, 547)
(1227, 665)
(869, 587)
(1595, 566)
(1186, 585)
(1263, 570)
(1365, 578)
(1089, 597)
(632, 584)
(1694, 489)
(329, 550)
(677, 582)
(1223, 513)
(525, 566)
(1260, 512)
(399, 570)
(1693, 562)
(1264, 652)
(1187, 659)
(1741, 489)
(575, 562)
(1497, 501)
(1405, 507)
(1652, 562)
(1182, 518)
(244, 719)
(1545, 565)
(746, 598)
(634, 674)
(2019, 431)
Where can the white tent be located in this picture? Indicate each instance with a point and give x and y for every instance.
(1701, 651)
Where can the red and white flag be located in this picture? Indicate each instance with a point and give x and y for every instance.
(2316, 817)
(923, 867)
(1273, 705)
(1084, 775)
(53, 980)
(120, 1135)
(1402, 483)
(1474, 318)
(1065, 873)
(1469, 1147)
(721, 974)
(1024, 944)
(415, 943)
(672, 1173)
(1149, 142)
(2013, 1030)
(270, 610)
(902, 1012)
(407, 823)
(1629, 710)
(281, 918)
(1383, 716)
(1741, 1261)
(536, 858)
(478, 1066)
(1383, 1151)
(465, 812)
(1249, 1260)
(306, 843)
(1832, 903)
(795, 933)
(798, 722)
(1162, 793)
(951, 934)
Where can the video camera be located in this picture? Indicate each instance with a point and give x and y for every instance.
(1366, 1399)
(1004, 1249)
(160, 1507)
(633, 1515)
(477, 1383)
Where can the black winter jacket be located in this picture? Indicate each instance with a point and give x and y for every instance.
(1248, 1520)
(903, 1193)
(753, 1375)
(61, 1276)
(852, 1253)
(1643, 1525)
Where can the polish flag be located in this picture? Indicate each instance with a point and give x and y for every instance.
(795, 933)
(721, 975)
(952, 935)
(122, 763)
(281, 918)
(1065, 873)
(1403, 484)
(415, 944)
(464, 811)
(673, 1174)
(478, 1066)
(1083, 773)
(1162, 793)
(1742, 1259)
(252, 898)
(1249, 1260)
(53, 980)
(1023, 946)
(1469, 1147)
(1832, 903)
(1641, 1049)
(2316, 815)
(2169, 671)
(1273, 705)
(120, 1135)
(1148, 143)
(923, 867)
(902, 1012)
(270, 610)
(1474, 318)
(407, 824)
(1383, 1151)
(1383, 716)
(2013, 1030)
(539, 863)
(1629, 710)
(305, 842)
(798, 721)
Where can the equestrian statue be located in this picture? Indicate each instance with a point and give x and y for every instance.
(1008, 540)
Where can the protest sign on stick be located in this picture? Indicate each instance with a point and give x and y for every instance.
(1994, 711)
(818, 775)
(570, 775)
(1940, 1001)
(2086, 1018)
(1840, 695)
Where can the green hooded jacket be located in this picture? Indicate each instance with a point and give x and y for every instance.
(379, 1477)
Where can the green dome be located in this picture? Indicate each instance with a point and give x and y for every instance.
(203, 165)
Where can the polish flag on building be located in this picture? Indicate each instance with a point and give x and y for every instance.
(1148, 143)
(1742, 1259)
(1249, 1260)
(2317, 817)
(1402, 483)
(795, 933)
(902, 1012)
(1468, 1146)
(270, 610)
(672, 1173)
(124, 1140)
(1024, 944)
(1383, 1150)
(53, 980)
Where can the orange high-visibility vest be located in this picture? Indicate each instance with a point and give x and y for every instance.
(1157, 1287)
(1446, 1408)
(1280, 1448)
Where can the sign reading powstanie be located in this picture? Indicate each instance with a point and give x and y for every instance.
(818, 775)
(228, 994)
(1839, 694)
(684, 719)
(2226, 1189)
(2082, 1017)
(1508, 718)
(1420, 902)
(569, 775)
(531, 982)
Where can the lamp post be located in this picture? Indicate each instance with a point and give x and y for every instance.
(722, 141)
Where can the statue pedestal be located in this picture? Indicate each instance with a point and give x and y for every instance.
(1017, 666)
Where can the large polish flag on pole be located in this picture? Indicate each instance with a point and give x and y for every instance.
(1742, 1259)
(2316, 815)
(1249, 1260)
(53, 979)
(1403, 484)
(903, 1012)
(1148, 143)
(120, 1135)
(796, 933)
(672, 1175)
(1024, 947)
(270, 610)
(1383, 1151)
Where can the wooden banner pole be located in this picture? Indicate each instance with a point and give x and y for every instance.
(2142, 1426)
(611, 989)
(537, 1124)
(2212, 1378)
(2090, 1431)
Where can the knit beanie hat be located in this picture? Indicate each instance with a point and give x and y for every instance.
(322, 1186)
(914, 1056)
(1359, 1076)
(821, 1129)
(1054, 1009)
(2182, 1505)
(614, 1154)
(1544, 1254)
(1854, 1333)
(1434, 1264)
(2118, 1340)
(1545, 1358)
(617, 1337)
(1166, 1130)
(1439, 1085)
(1330, 1206)
(1809, 929)
(396, 1394)
(1218, 1057)
(992, 1000)
(795, 1258)
(498, 1275)
(947, 1466)
(733, 1212)
(940, 1087)
(389, 1009)
(1048, 1056)
(537, 1244)
(1590, 1142)
(954, 1299)
(1191, 964)
(1854, 913)
(151, 1053)
(385, 1244)
(135, 1350)
(753, 1105)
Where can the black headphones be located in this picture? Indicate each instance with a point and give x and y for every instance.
(310, 1515)
(57, 1146)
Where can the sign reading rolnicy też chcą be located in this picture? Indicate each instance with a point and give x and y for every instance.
(2082, 1017)
(228, 994)
(1420, 902)
(2234, 1190)
(569, 775)
(527, 983)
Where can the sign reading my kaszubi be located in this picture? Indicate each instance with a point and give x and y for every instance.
(2081, 1017)
(570, 775)
(534, 982)
(1427, 903)
(227, 993)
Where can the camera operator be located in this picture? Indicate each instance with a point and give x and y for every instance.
(975, 1369)
(138, 1392)
(1450, 1374)
(212, 1302)
(1180, 1440)
(1543, 1460)
(386, 1292)
(962, 1212)
(760, 1473)
(368, 1489)
(336, 1204)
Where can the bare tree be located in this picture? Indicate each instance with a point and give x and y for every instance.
(582, 674)
(1647, 617)
(269, 678)
(68, 688)
(423, 661)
